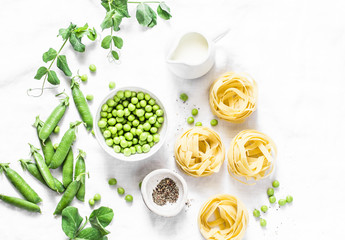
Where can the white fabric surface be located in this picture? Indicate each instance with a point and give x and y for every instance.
(294, 49)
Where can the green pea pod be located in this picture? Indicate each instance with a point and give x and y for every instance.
(80, 169)
(81, 104)
(42, 167)
(47, 146)
(53, 120)
(33, 170)
(64, 146)
(67, 169)
(20, 184)
(69, 194)
(20, 203)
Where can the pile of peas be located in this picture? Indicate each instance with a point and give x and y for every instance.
(130, 122)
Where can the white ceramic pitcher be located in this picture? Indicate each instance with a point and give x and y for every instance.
(180, 61)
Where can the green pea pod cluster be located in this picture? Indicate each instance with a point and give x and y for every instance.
(33, 170)
(20, 184)
(81, 104)
(67, 169)
(64, 146)
(47, 146)
(69, 194)
(79, 170)
(20, 203)
(53, 120)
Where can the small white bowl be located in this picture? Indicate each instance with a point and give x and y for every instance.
(149, 184)
(138, 156)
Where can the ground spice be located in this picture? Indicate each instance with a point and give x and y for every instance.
(165, 191)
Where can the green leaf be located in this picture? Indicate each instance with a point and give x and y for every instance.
(52, 78)
(66, 32)
(146, 16)
(106, 42)
(49, 55)
(40, 73)
(107, 21)
(96, 224)
(163, 11)
(121, 6)
(63, 66)
(117, 19)
(118, 42)
(105, 4)
(115, 55)
(80, 31)
(92, 35)
(71, 221)
(89, 234)
(104, 214)
(76, 43)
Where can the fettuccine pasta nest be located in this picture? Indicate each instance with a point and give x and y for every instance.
(233, 97)
(223, 217)
(199, 152)
(251, 155)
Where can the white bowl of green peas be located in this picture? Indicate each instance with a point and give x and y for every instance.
(131, 124)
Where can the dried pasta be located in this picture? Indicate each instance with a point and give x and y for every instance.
(233, 97)
(251, 155)
(199, 152)
(223, 217)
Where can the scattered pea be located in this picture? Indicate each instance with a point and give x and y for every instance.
(272, 199)
(112, 181)
(190, 120)
(129, 198)
(83, 77)
(270, 192)
(289, 199)
(97, 197)
(264, 208)
(195, 112)
(263, 222)
(282, 202)
(112, 85)
(198, 124)
(91, 202)
(120, 191)
(89, 97)
(214, 122)
(92, 68)
(275, 183)
(183, 97)
(57, 129)
(256, 213)
(55, 146)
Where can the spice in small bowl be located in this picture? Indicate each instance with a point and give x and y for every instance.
(164, 192)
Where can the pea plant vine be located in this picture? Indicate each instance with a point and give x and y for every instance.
(116, 10)
(74, 35)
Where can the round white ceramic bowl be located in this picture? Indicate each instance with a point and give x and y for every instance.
(149, 184)
(135, 157)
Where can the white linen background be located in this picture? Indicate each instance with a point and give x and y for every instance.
(294, 49)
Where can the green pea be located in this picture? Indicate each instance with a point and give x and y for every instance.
(143, 103)
(133, 150)
(156, 138)
(282, 202)
(135, 140)
(112, 121)
(120, 113)
(153, 130)
(128, 94)
(149, 138)
(129, 136)
(127, 152)
(117, 148)
(143, 136)
(113, 130)
(111, 103)
(151, 144)
(198, 124)
(109, 115)
(155, 107)
(190, 120)
(140, 112)
(104, 114)
(195, 111)
(131, 107)
(148, 115)
(123, 143)
(105, 107)
(97, 197)
(120, 133)
(146, 148)
(289, 199)
(126, 127)
(92, 68)
(183, 97)
(139, 132)
(112, 181)
(275, 183)
(57, 129)
(138, 149)
(272, 199)
(112, 85)
(109, 142)
(140, 95)
(264, 208)
(119, 107)
(129, 198)
(116, 140)
(152, 120)
(147, 96)
(256, 213)
(91, 202)
(146, 126)
(152, 102)
(214, 122)
(134, 100)
(134, 94)
(89, 97)
(83, 77)
(159, 112)
(160, 119)
(118, 126)
(120, 94)
(55, 146)
(120, 191)
(263, 222)
(157, 125)
(270, 192)
(135, 123)
(125, 103)
(107, 134)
